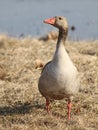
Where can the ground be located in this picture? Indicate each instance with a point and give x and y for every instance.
(21, 105)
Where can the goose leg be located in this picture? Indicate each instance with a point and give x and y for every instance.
(47, 106)
(69, 109)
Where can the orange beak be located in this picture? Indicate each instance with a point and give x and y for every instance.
(50, 21)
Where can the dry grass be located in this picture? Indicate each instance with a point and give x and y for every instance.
(21, 105)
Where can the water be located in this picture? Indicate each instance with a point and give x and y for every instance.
(26, 17)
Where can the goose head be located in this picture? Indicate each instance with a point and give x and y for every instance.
(58, 22)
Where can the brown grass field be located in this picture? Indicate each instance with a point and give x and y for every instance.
(21, 105)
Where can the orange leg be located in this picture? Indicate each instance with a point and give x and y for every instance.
(47, 106)
(69, 109)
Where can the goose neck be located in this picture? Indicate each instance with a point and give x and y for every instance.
(62, 37)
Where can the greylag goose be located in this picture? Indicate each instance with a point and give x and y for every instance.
(59, 77)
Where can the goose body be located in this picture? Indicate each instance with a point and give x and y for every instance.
(59, 78)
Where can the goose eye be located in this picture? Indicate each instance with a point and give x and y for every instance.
(60, 18)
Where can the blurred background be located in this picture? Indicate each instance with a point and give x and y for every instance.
(25, 17)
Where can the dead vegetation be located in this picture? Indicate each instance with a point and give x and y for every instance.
(21, 105)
